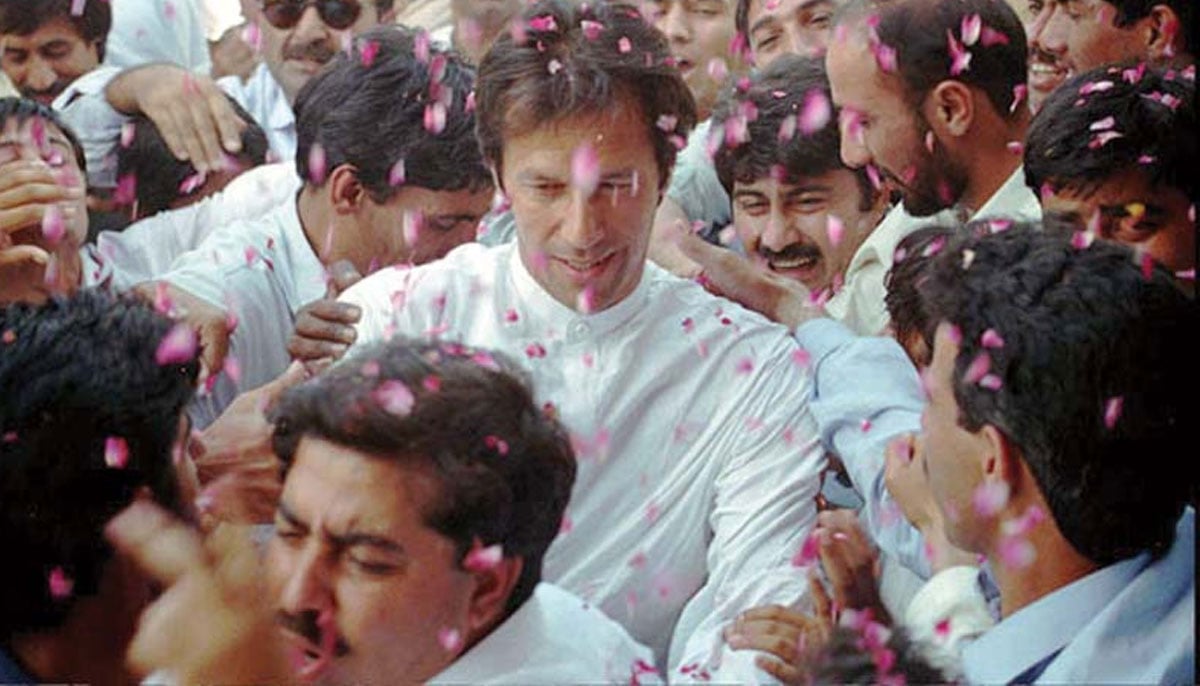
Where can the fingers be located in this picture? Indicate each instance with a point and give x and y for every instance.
(294, 374)
(822, 604)
(159, 544)
(342, 275)
(214, 342)
(195, 120)
(24, 255)
(785, 673)
(229, 124)
(324, 329)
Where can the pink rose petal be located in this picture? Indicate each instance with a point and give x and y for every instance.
(316, 164)
(815, 113)
(481, 559)
(585, 169)
(970, 29)
(394, 397)
(990, 498)
(54, 225)
(978, 368)
(116, 452)
(496, 443)
(991, 339)
(449, 639)
(435, 118)
(61, 586)
(960, 57)
(1017, 552)
(991, 382)
(1112, 411)
(368, 53)
(809, 552)
(397, 173)
(178, 346)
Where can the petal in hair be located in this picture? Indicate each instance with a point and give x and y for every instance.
(116, 452)
(990, 497)
(991, 339)
(970, 29)
(481, 559)
(60, 585)
(815, 113)
(960, 57)
(1112, 411)
(394, 397)
(178, 346)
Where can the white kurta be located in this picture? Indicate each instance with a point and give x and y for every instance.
(264, 271)
(145, 31)
(698, 454)
(554, 638)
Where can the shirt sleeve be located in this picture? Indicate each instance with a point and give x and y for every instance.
(867, 394)
(764, 510)
(695, 186)
(95, 123)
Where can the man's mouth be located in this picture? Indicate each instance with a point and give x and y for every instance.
(1046, 73)
(309, 661)
(586, 269)
(793, 258)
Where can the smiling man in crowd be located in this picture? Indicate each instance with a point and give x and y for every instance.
(773, 28)
(44, 46)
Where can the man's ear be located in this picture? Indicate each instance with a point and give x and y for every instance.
(496, 177)
(950, 109)
(346, 192)
(493, 587)
(1164, 29)
(1003, 459)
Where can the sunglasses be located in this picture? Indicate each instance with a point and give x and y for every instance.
(337, 14)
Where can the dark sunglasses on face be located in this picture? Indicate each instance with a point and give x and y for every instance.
(337, 14)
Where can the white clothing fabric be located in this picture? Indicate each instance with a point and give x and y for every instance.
(860, 304)
(145, 31)
(695, 185)
(698, 454)
(442, 37)
(264, 271)
(946, 614)
(147, 248)
(7, 90)
(86, 110)
(554, 638)
(1131, 622)
(220, 16)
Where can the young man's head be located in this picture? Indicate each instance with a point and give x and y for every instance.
(387, 147)
(301, 36)
(928, 91)
(910, 325)
(47, 44)
(799, 211)
(423, 486)
(1060, 392)
(89, 420)
(35, 143)
(162, 181)
(773, 28)
(1074, 36)
(701, 38)
(581, 119)
(1114, 149)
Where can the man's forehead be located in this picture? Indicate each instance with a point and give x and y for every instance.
(53, 29)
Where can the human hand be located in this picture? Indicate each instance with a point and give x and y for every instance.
(231, 55)
(39, 216)
(730, 275)
(213, 325)
(788, 636)
(670, 223)
(191, 112)
(325, 328)
(905, 477)
(240, 475)
(212, 623)
(851, 563)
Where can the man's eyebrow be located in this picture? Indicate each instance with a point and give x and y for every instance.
(290, 517)
(810, 188)
(365, 539)
(748, 192)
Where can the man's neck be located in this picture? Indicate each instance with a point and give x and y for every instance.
(992, 161)
(1057, 565)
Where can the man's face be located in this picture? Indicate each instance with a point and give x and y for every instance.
(42, 64)
(41, 151)
(1158, 220)
(364, 587)
(586, 247)
(296, 54)
(1080, 35)
(478, 22)
(1046, 69)
(952, 454)
(788, 27)
(879, 127)
(418, 225)
(700, 33)
(785, 227)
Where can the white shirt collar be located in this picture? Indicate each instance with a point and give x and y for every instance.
(1013, 200)
(1047, 624)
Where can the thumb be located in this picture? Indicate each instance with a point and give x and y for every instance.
(22, 254)
(214, 346)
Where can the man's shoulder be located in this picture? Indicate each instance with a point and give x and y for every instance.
(465, 267)
(686, 305)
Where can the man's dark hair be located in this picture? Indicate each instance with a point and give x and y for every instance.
(741, 19)
(77, 374)
(581, 59)
(913, 256)
(1152, 111)
(1097, 372)
(1130, 11)
(504, 468)
(23, 17)
(161, 177)
(24, 109)
(778, 95)
(855, 656)
(919, 31)
(368, 108)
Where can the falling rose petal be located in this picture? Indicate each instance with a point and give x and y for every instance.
(585, 302)
(717, 69)
(929, 141)
(481, 559)
(54, 225)
(497, 444)
(865, 425)
(1080, 240)
(396, 173)
(834, 229)
(623, 45)
(787, 129)
(989, 37)
(1020, 92)
(252, 36)
(801, 358)
(970, 29)
(960, 57)
(1095, 87)
(126, 191)
(61, 586)
(192, 183)
(886, 58)
(990, 498)
(744, 366)
(991, 339)
(232, 369)
(316, 164)
(941, 630)
(991, 382)
(978, 368)
(116, 452)
(1015, 147)
(394, 397)
(435, 118)
(1104, 124)
(77, 7)
(1017, 552)
(169, 10)
(368, 52)
(1104, 138)
(591, 29)
(535, 351)
(449, 639)
(1186, 275)
(1147, 266)
(815, 113)
(585, 169)
(543, 23)
(128, 129)
(178, 346)
(1112, 411)
(809, 552)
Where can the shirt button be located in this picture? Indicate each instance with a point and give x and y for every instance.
(578, 330)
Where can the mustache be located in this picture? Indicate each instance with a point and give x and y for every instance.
(305, 624)
(319, 51)
(795, 251)
(53, 91)
(1036, 54)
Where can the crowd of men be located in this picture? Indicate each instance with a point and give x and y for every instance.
(552, 341)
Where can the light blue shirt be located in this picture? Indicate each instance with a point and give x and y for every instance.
(1130, 622)
(867, 378)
